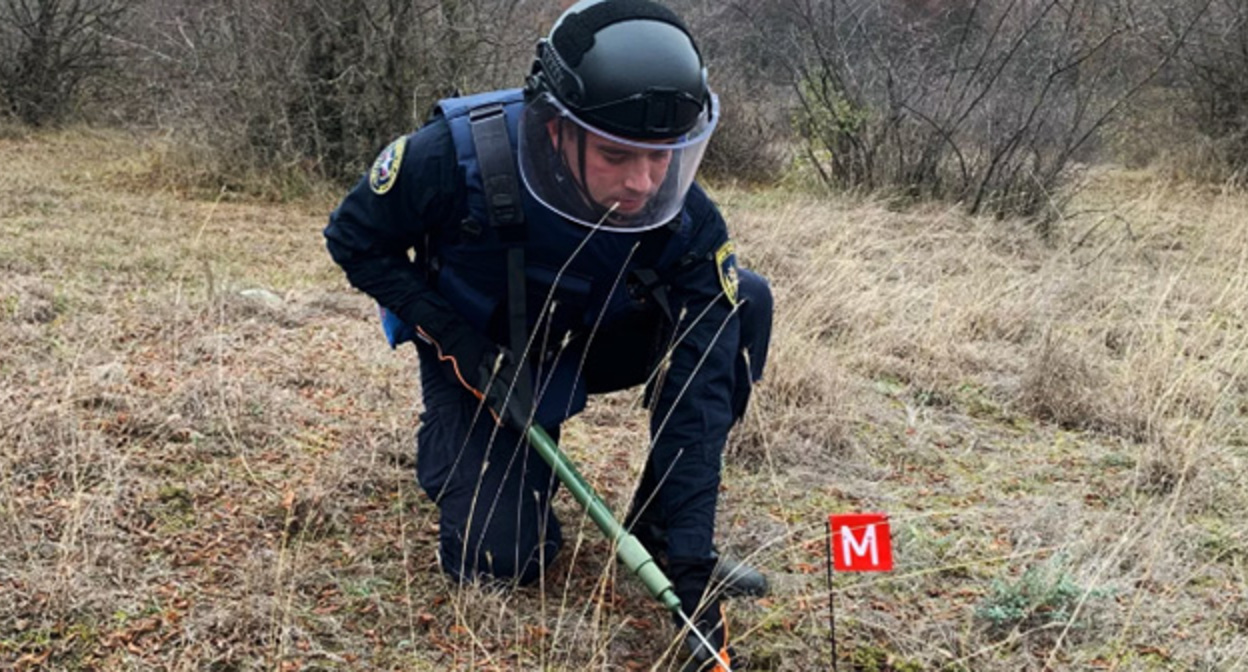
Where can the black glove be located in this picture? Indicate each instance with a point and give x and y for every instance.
(690, 578)
(487, 369)
(507, 392)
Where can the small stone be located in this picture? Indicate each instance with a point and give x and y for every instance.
(263, 296)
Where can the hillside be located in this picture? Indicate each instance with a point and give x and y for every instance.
(206, 449)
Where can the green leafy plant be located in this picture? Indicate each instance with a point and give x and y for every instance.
(1044, 595)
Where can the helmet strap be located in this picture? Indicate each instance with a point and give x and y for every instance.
(577, 177)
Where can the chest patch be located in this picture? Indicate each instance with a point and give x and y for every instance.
(726, 264)
(385, 171)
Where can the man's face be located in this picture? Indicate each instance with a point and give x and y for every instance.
(615, 174)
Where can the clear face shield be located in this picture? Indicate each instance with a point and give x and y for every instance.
(604, 181)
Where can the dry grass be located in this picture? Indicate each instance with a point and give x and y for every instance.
(194, 478)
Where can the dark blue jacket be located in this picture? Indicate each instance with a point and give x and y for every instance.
(436, 209)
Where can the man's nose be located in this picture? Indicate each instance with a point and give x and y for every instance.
(638, 177)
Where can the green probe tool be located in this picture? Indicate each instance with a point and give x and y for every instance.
(629, 550)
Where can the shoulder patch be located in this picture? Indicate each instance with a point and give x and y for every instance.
(385, 171)
(726, 264)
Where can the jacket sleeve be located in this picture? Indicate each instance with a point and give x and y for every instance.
(693, 409)
(370, 234)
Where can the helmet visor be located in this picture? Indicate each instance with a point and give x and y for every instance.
(605, 181)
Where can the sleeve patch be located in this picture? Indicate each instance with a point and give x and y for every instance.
(726, 264)
(385, 171)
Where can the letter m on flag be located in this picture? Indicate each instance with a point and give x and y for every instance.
(861, 542)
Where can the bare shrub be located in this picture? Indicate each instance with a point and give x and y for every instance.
(985, 104)
(749, 144)
(1154, 131)
(1211, 74)
(51, 50)
(317, 88)
(752, 141)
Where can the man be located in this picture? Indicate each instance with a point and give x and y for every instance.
(608, 268)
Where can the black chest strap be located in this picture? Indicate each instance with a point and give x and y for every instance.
(502, 196)
(645, 276)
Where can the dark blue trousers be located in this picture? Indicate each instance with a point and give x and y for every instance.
(494, 492)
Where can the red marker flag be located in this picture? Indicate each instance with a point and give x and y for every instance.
(861, 542)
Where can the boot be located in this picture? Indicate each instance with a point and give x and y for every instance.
(731, 577)
(735, 578)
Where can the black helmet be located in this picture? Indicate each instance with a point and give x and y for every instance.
(628, 74)
(627, 67)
